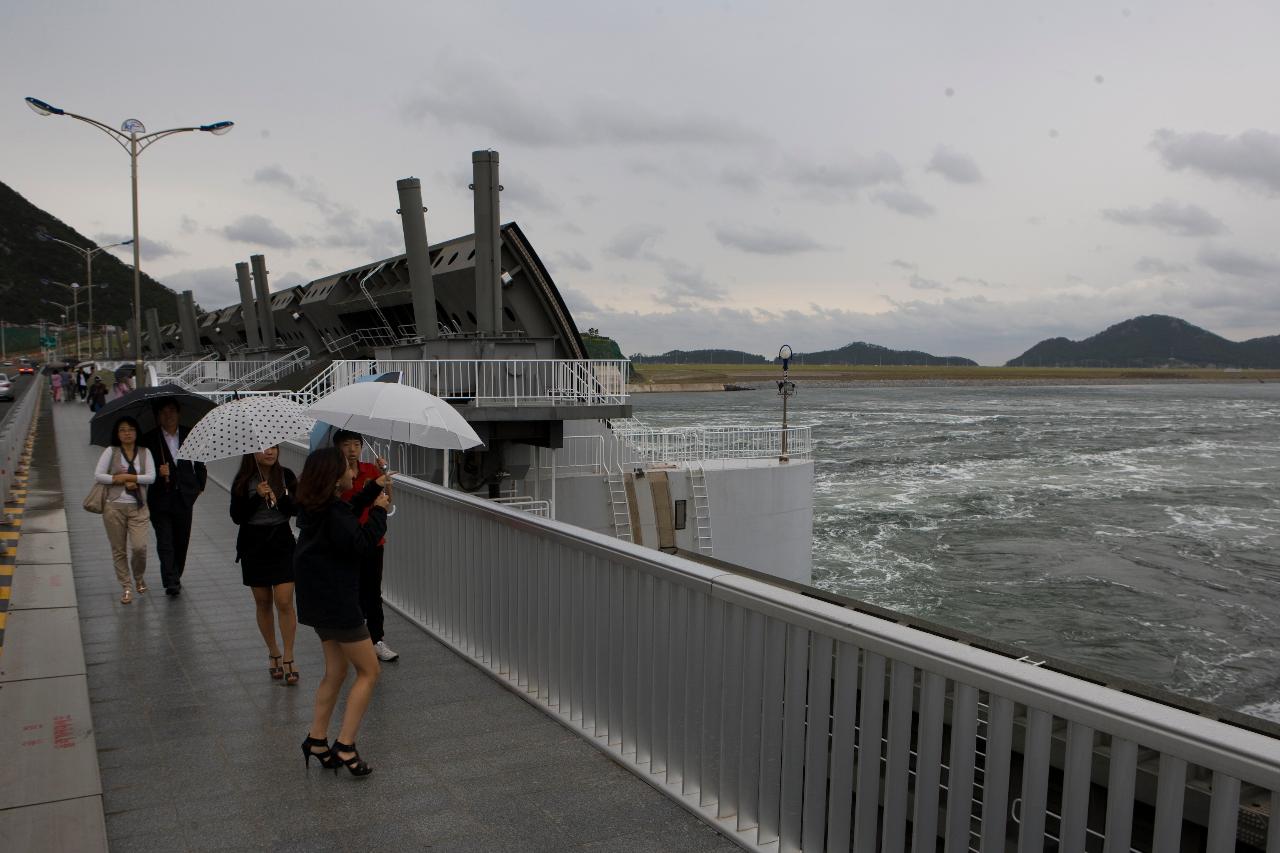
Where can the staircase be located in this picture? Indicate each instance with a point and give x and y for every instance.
(701, 509)
(271, 371)
(619, 505)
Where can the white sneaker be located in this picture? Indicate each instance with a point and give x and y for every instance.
(383, 651)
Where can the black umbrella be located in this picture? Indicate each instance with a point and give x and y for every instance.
(140, 405)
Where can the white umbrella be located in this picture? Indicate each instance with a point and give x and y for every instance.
(247, 425)
(396, 413)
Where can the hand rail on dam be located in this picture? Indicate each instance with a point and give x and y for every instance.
(792, 723)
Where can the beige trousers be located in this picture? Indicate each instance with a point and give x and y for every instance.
(126, 525)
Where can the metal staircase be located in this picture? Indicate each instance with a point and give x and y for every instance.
(272, 370)
(619, 505)
(701, 509)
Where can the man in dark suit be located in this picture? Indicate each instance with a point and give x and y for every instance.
(173, 496)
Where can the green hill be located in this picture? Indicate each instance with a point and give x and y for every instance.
(1154, 340)
(601, 346)
(874, 354)
(25, 259)
(701, 356)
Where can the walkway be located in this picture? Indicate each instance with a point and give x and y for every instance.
(198, 747)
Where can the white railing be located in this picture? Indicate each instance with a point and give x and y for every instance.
(270, 370)
(517, 382)
(702, 444)
(792, 723)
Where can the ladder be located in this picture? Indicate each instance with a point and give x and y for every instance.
(619, 505)
(701, 508)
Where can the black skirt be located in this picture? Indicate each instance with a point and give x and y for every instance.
(265, 554)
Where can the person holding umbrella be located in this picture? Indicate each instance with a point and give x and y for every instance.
(126, 469)
(332, 546)
(172, 500)
(262, 501)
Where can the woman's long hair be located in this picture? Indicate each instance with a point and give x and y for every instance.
(249, 467)
(115, 431)
(320, 475)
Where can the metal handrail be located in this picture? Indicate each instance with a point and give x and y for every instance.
(707, 683)
(286, 363)
(517, 382)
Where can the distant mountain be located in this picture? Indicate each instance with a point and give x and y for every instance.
(701, 356)
(24, 260)
(874, 354)
(1150, 341)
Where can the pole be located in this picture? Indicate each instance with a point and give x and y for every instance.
(88, 277)
(140, 376)
(75, 314)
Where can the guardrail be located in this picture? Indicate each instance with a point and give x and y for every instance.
(14, 434)
(791, 723)
(560, 382)
(702, 444)
(273, 369)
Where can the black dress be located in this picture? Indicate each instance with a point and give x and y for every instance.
(264, 546)
(332, 546)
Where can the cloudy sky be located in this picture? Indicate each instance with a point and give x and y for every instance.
(963, 178)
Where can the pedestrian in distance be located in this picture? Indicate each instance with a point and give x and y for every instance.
(178, 484)
(82, 383)
(126, 468)
(262, 501)
(351, 444)
(97, 394)
(55, 383)
(332, 546)
(68, 386)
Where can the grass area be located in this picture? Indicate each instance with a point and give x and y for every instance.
(672, 374)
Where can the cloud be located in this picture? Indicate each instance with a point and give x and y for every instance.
(905, 202)
(686, 283)
(572, 260)
(528, 194)
(954, 166)
(342, 226)
(275, 175)
(1183, 220)
(188, 225)
(847, 177)
(1240, 264)
(1251, 159)
(259, 231)
(901, 264)
(980, 282)
(917, 282)
(578, 302)
(150, 250)
(634, 241)
(740, 179)
(1155, 266)
(211, 286)
(489, 103)
(766, 241)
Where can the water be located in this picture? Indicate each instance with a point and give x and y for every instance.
(1134, 529)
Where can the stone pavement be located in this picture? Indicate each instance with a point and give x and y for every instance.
(199, 749)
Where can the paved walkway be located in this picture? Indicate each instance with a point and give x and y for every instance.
(199, 749)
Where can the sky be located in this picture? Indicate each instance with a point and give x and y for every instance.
(961, 178)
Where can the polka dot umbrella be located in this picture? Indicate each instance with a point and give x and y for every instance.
(248, 425)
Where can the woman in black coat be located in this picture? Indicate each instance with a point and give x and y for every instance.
(262, 502)
(332, 545)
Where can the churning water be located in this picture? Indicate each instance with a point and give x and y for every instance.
(1134, 529)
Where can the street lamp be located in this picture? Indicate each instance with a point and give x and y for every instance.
(785, 389)
(74, 306)
(89, 253)
(134, 139)
(66, 310)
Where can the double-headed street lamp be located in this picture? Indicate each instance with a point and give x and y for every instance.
(66, 312)
(134, 139)
(73, 309)
(89, 253)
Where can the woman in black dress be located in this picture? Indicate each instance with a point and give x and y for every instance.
(332, 546)
(262, 500)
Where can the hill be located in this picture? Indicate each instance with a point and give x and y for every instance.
(600, 346)
(864, 353)
(701, 356)
(1153, 340)
(25, 259)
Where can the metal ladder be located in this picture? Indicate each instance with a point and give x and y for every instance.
(701, 509)
(619, 505)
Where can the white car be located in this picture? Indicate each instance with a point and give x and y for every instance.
(6, 388)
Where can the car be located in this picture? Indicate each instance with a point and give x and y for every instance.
(27, 370)
(6, 388)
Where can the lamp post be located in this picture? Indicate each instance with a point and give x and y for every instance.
(66, 311)
(134, 139)
(73, 309)
(89, 253)
(785, 389)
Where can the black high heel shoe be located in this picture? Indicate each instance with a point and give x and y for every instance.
(328, 759)
(354, 763)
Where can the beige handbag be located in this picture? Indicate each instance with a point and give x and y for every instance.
(96, 501)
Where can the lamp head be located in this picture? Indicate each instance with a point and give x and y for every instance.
(39, 107)
(785, 353)
(218, 128)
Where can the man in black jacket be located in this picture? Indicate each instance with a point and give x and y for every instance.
(173, 496)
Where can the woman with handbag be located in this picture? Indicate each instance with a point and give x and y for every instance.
(123, 474)
(262, 500)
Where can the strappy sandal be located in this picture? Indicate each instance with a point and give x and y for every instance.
(327, 759)
(276, 670)
(355, 764)
(290, 674)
